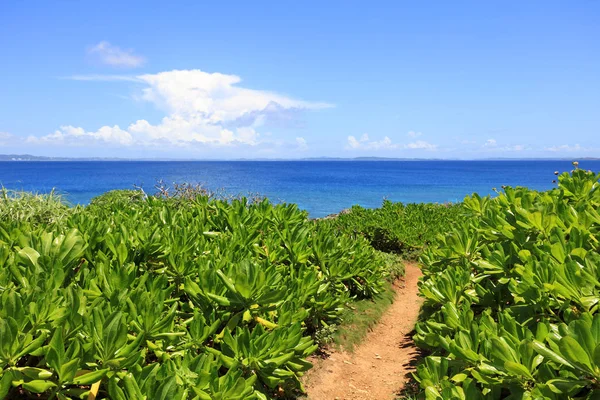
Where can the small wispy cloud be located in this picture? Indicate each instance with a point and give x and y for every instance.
(112, 55)
(565, 148)
(490, 143)
(364, 143)
(5, 137)
(421, 144)
(414, 134)
(301, 143)
(72, 135)
(104, 78)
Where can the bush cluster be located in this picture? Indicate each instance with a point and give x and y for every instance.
(143, 297)
(512, 297)
(403, 229)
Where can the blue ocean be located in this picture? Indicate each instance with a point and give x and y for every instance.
(320, 187)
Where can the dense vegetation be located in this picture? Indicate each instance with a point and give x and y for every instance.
(398, 228)
(186, 296)
(512, 297)
(137, 297)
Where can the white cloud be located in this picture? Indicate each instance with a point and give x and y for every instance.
(5, 138)
(490, 143)
(104, 78)
(365, 144)
(465, 141)
(200, 107)
(353, 143)
(565, 148)
(215, 95)
(74, 135)
(414, 134)
(385, 144)
(301, 143)
(113, 55)
(421, 144)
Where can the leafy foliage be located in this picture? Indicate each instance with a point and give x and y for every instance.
(399, 228)
(137, 297)
(512, 297)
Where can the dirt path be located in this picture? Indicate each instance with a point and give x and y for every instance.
(378, 367)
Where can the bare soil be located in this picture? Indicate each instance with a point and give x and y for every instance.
(379, 367)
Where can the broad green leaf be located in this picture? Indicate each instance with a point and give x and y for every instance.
(28, 257)
(517, 369)
(38, 386)
(575, 353)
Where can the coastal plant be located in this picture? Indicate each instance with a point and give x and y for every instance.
(404, 229)
(162, 297)
(512, 297)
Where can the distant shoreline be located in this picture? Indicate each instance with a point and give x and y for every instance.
(31, 158)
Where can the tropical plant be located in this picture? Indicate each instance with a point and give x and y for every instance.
(404, 229)
(512, 296)
(145, 297)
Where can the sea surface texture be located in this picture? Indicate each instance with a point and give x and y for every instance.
(320, 187)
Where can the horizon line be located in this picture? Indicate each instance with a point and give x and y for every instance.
(32, 158)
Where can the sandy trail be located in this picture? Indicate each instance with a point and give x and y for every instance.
(378, 367)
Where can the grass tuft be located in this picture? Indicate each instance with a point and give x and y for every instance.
(359, 317)
(38, 209)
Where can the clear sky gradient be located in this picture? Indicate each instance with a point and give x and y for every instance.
(192, 79)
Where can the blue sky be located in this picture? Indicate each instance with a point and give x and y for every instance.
(190, 79)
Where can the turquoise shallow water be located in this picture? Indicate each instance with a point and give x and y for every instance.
(321, 187)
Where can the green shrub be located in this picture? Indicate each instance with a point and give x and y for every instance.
(391, 263)
(399, 228)
(118, 198)
(512, 297)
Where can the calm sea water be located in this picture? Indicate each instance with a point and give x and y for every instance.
(321, 187)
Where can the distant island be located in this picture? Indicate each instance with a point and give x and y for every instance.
(29, 157)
